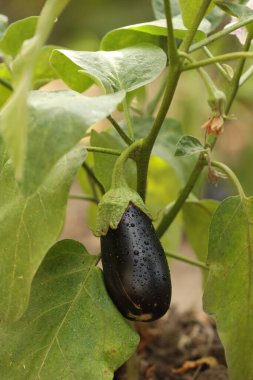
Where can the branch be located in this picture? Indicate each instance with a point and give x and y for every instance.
(120, 131)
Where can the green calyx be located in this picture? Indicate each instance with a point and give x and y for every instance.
(115, 202)
(113, 205)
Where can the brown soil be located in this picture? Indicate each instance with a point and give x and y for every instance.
(168, 344)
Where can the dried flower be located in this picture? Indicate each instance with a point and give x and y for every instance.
(214, 125)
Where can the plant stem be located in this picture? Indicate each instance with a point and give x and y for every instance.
(231, 175)
(216, 98)
(153, 104)
(83, 198)
(185, 259)
(246, 76)
(120, 131)
(171, 42)
(218, 65)
(234, 85)
(218, 35)
(118, 177)
(218, 58)
(174, 72)
(6, 84)
(94, 179)
(128, 119)
(143, 160)
(99, 149)
(170, 216)
(185, 46)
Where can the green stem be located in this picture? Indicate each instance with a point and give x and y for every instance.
(92, 176)
(246, 76)
(234, 85)
(99, 149)
(186, 260)
(83, 198)
(169, 217)
(231, 175)
(6, 84)
(220, 34)
(216, 98)
(153, 104)
(120, 131)
(200, 164)
(218, 65)
(128, 119)
(187, 41)
(143, 160)
(218, 58)
(174, 72)
(118, 175)
(171, 41)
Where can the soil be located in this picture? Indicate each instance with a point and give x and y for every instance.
(180, 346)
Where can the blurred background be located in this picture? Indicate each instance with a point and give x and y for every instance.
(81, 27)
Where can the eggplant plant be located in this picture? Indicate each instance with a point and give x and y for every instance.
(61, 315)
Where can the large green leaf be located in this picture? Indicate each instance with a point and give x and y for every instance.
(158, 7)
(17, 33)
(237, 10)
(228, 295)
(214, 17)
(148, 32)
(189, 9)
(197, 215)
(165, 145)
(125, 69)
(43, 71)
(57, 121)
(14, 114)
(103, 163)
(28, 227)
(71, 329)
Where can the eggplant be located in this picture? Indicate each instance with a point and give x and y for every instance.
(135, 268)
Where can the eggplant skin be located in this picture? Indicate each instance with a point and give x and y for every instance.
(135, 268)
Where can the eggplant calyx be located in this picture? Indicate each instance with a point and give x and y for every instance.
(113, 205)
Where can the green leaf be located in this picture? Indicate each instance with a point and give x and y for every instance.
(104, 163)
(3, 24)
(162, 193)
(43, 71)
(189, 9)
(4, 91)
(28, 227)
(188, 145)
(17, 33)
(71, 329)
(169, 135)
(14, 115)
(228, 295)
(214, 17)
(158, 7)
(197, 217)
(236, 10)
(125, 69)
(149, 32)
(57, 122)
